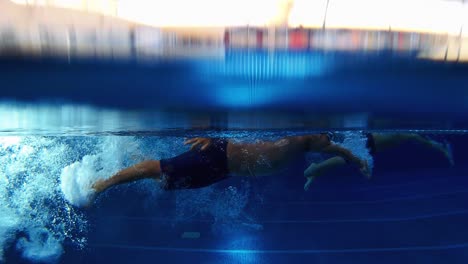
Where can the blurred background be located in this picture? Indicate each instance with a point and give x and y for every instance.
(236, 63)
(145, 29)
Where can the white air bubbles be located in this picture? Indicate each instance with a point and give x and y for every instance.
(77, 179)
(356, 142)
(31, 208)
(9, 141)
(225, 206)
(41, 246)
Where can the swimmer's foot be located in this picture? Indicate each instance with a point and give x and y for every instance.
(364, 168)
(445, 148)
(309, 181)
(448, 153)
(310, 174)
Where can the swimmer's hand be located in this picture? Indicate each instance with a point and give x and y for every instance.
(99, 186)
(308, 183)
(202, 143)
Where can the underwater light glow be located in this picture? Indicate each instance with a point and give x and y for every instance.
(268, 66)
(26, 118)
(240, 247)
(246, 96)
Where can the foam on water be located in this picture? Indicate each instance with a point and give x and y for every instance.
(41, 245)
(33, 212)
(76, 179)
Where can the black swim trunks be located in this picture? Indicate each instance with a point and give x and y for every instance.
(196, 168)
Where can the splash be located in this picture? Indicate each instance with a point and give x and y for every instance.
(76, 179)
(32, 212)
(41, 245)
(355, 141)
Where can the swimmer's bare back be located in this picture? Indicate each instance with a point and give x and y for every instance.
(266, 157)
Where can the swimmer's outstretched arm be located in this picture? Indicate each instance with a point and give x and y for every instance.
(318, 169)
(347, 155)
(150, 169)
(144, 170)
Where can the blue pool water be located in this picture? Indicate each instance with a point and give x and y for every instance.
(413, 209)
(55, 113)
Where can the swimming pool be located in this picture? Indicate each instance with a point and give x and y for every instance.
(114, 114)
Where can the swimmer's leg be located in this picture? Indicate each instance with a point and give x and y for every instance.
(347, 155)
(318, 169)
(144, 170)
(385, 141)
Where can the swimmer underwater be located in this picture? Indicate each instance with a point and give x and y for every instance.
(211, 160)
(376, 143)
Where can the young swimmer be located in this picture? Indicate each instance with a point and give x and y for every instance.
(211, 160)
(376, 142)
